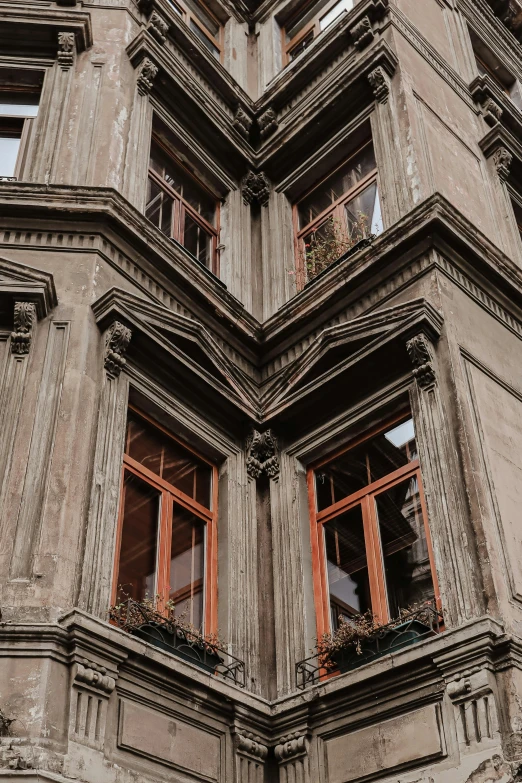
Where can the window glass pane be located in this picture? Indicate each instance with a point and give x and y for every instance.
(137, 566)
(197, 241)
(169, 460)
(347, 565)
(336, 185)
(515, 94)
(404, 546)
(9, 147)
(299, 22)
(363, 214)
(187, 565)
(204, 39)
(159, 207)
(204, 17)
(339, 8)
(303, 44)
(357, 468)
(177, 10)
(18, 104)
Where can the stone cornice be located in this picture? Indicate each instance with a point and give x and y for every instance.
(55, 19)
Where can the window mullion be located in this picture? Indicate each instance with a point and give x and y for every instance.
(164, 547)
(375, 560)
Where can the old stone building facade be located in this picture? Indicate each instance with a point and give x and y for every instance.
(260, 340)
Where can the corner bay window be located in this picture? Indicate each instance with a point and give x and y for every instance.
(337, 213)
(202, 23)
(181, 207)
(167, 532)
(310, 21)
(370, 537)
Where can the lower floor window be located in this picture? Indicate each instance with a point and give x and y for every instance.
(166, 537)
(372, 546)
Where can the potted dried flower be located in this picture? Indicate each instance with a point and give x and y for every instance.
(332, 241)
(362, 639)
(168, 631)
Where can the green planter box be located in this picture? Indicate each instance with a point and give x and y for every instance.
(391, 640)
(177, 643)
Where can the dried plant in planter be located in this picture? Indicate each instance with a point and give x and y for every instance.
(331, 240)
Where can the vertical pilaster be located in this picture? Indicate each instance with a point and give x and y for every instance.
(105, 491)
(291, 753)
(137, 155)
(251, 754)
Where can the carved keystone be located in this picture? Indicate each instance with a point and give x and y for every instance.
(419, 351)
(24, 320)
(147, 73)
(66, 49)
(262, 457)
(256, 189)
(116, 344)
(502, 160)
(380, 84)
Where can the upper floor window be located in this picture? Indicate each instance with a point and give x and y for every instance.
(202, 23)
(167, 524)
(18, 108)
(182, 207)
(309, 22)
(370, 536)
(337, 213)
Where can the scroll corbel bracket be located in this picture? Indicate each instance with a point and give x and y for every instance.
(362, 33)
(116, 344)
(502, 160)
(24, 321)
(262, 456)
(256, 189)
(146, 75)
(66, 50)
(380, 84)
(421, 356)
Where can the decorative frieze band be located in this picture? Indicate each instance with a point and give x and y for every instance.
(66, 50)
(24, 321)
(420, 353)
(261, 455)
(256, 188)
(116, 344)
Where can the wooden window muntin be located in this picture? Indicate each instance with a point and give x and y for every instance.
(313, 25)
(171, 496)
(18, 125)
(181, 207)
(189, 16)
(365, 498)
(336, 210)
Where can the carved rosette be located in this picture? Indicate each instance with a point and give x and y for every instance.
(362, 33)
(256, 189)
(502, 160)
(420, 353)
(267, 123)
(24, 321)
(158, 27)
(380, 84)
(146, 75)
(242, 122)
(116, 344)
(66, 50)
(262, 456)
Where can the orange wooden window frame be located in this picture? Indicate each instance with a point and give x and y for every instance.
(313, 25)
(181, 206)
(335, 210)
(188, 16)
(169, 496)
(364, 498)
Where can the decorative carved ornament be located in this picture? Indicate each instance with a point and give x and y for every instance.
(492, 111)
(24, 321)
(116, 344)
(146, 75)
(88, 673)
(267, 123)
(419, 351)
(502, 160)
(251, 745)
(290, 747)
(66, 49)
(242, 122)
(158, 27)
(380, 84)
(256, 188)
(362, 33)
(262, 457)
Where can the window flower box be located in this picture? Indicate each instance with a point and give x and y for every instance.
(179, 642)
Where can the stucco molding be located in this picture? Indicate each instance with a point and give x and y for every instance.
(66, 50)
(24, 321)
(262, 457)
(117, 341)
(255, 187)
